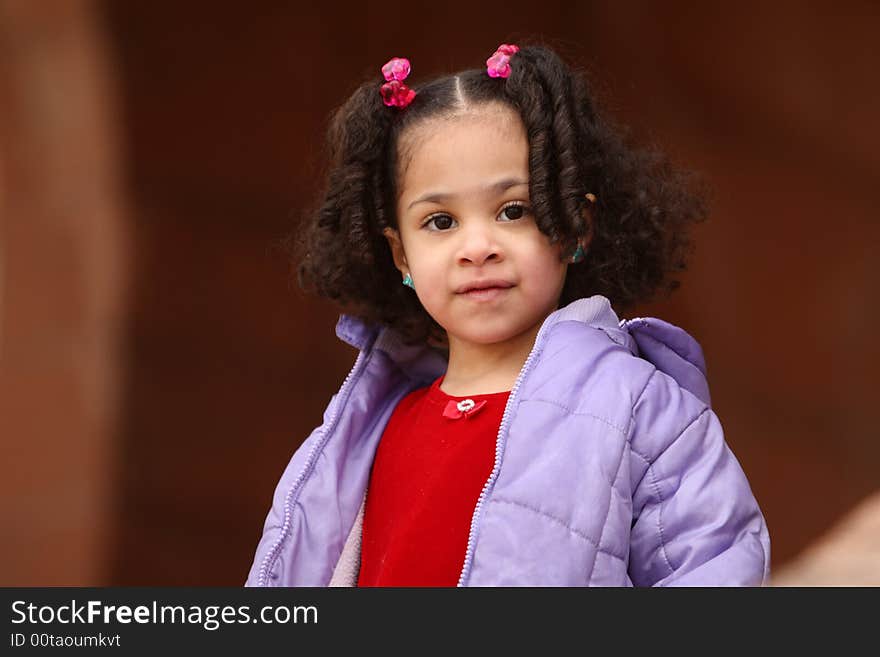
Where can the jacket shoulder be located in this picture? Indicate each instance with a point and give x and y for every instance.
(588, 368)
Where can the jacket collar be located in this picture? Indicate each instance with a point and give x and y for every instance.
(595, 311)
(669, 348)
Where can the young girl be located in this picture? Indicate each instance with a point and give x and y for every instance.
(501, 426)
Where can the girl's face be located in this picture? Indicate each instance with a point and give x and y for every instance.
(464, 217)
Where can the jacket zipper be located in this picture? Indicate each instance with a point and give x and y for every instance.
(269, 559)
(499, 448)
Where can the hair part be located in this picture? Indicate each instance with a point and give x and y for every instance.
(639, 227)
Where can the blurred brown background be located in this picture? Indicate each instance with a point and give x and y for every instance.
(157, 364)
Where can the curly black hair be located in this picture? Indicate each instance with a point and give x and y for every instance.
(638, 226)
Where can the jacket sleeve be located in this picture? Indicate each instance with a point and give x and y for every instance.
(695, 519)
(276, 527)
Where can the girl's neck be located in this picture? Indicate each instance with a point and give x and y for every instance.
(481, 369)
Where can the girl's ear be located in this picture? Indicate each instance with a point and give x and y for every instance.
(397, 253)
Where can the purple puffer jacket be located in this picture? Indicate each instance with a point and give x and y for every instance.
(610, 466)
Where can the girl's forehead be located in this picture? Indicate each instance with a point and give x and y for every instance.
(488, 117)
(460, 146)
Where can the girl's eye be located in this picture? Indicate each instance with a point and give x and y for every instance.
(514, 211)
(441, 221)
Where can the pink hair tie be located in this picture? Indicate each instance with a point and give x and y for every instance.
(394, 92)
(498, 65)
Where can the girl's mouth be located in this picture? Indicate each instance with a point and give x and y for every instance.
(486, 294)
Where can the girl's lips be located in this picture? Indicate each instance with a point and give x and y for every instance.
(482, 284)
(486, 294)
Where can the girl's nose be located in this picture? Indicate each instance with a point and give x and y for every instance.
(478, 245)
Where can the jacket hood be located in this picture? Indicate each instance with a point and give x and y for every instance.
(672, 351)
(668, 347)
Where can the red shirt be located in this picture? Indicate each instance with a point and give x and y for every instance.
(426, 478)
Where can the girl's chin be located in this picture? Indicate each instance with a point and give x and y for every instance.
(481, 338)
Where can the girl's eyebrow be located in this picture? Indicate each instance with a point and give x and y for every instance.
(440, 197)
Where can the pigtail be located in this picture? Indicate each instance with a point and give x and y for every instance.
(639, 225)
(339, 242)
(341, 250)
(542, 88)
